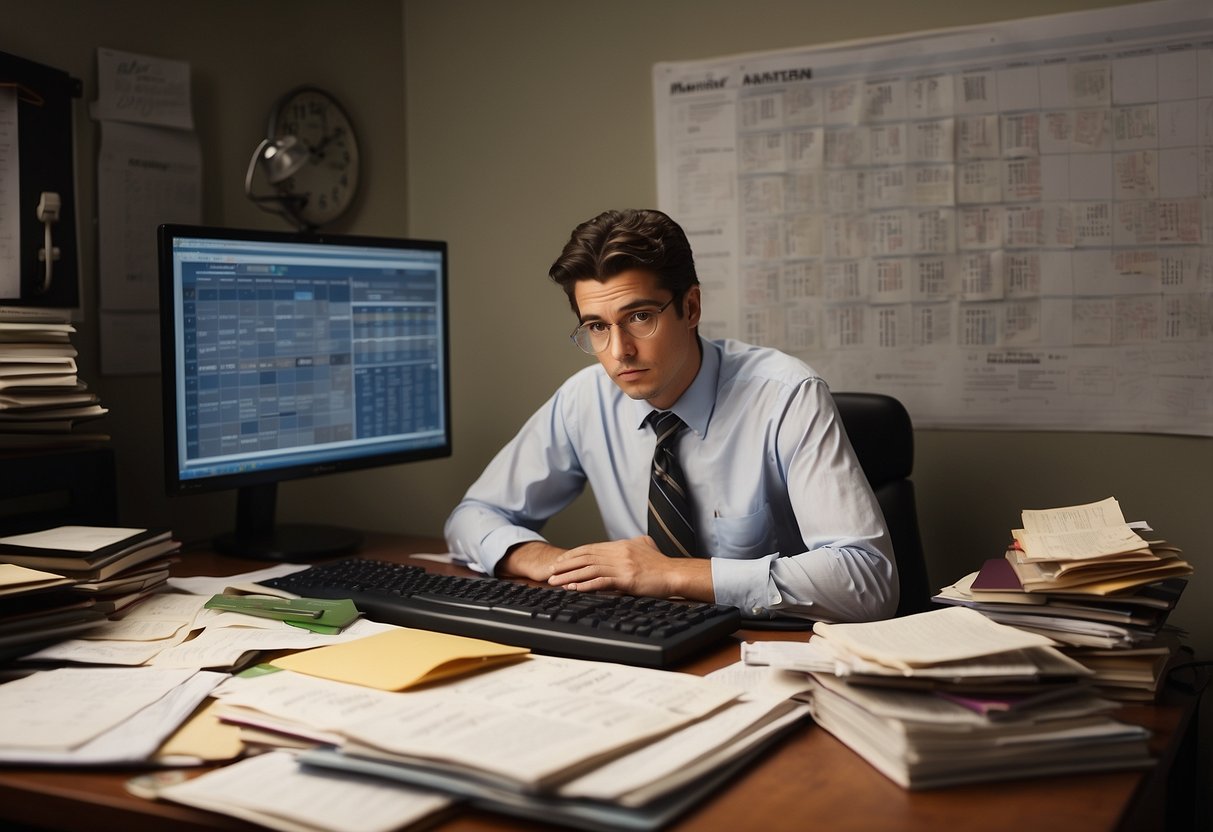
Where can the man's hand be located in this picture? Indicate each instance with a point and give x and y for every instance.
(633, 566)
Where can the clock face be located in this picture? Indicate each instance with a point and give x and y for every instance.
(330, 177)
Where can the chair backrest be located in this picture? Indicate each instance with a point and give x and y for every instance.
(883, 438)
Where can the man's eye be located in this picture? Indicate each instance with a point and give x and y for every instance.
(640, 317)
(597, 327)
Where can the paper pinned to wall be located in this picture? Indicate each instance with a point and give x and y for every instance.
(1004, 226)
(145, 176)
(10, 191)
(142, 89)
(149, 172)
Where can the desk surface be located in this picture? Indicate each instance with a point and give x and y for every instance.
(808, 778)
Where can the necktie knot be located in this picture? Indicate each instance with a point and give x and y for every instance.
(666, 425)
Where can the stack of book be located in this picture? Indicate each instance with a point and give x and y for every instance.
(76, 575)
(1083, 577)
(950, 696)
(43, 403)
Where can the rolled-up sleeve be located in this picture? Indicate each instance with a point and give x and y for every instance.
(532, 478)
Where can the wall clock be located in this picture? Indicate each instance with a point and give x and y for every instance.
(319, 189)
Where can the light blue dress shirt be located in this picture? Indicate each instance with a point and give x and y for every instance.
(781, 504)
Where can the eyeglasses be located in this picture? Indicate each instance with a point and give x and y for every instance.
(594, 336)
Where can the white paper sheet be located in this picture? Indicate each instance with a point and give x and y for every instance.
(145, 176)
(143, 90)
(209, 585)
(273, 790)
(64, 708)
(149, 172)
(945, 635)
(136, 738)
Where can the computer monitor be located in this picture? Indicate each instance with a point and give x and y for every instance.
(287, 356)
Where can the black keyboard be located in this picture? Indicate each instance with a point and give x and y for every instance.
(616, 628)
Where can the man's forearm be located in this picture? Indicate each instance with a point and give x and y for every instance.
(532, 560)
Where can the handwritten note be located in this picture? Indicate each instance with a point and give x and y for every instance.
(143, 89)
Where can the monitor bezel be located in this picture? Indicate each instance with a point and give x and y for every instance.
(175, 485)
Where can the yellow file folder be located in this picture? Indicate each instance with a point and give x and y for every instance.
(399, 658)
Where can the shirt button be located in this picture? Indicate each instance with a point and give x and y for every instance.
(756, 611)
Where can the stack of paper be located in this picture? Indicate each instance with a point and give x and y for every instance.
(1083, 577)
(59, 582)
(37, 608)
(586, 744)
(111, 567)
(1088, 550)
(42, 401)
(949, 696)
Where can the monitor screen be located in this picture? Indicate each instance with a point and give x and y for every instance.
(288, 356)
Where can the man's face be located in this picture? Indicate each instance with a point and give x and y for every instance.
(658, 368)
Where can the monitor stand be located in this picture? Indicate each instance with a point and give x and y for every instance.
(257, 536)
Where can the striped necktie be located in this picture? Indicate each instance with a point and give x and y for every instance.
(670, 520)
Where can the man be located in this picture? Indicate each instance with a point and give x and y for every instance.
(757, 501)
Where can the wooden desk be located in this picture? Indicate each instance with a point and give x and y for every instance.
(809, 780)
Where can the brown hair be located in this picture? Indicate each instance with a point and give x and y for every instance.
(616, 241)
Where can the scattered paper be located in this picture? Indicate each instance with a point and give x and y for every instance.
(64, 708)
(145, 176)
(225, 647)
(273, 790)
(208, 586)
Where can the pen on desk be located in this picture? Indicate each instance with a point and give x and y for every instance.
(293, 611)
(274, 612)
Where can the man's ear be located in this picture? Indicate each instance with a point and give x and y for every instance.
(693, 306)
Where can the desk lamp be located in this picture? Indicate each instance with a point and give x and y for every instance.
(280, 159)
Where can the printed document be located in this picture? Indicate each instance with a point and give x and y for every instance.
(273, 790)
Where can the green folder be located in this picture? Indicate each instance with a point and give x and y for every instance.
(320, 615)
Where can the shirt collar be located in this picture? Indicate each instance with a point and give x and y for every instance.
(695, 405)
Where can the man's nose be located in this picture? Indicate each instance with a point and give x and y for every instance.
(622, 344)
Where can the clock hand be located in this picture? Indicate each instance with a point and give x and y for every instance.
(318, 150)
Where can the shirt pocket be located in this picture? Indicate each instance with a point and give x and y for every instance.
(745, 537)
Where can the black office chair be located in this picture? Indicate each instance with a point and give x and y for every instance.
(880, 431)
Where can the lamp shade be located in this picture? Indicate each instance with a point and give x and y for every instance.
(282, 158)
(278, 160)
